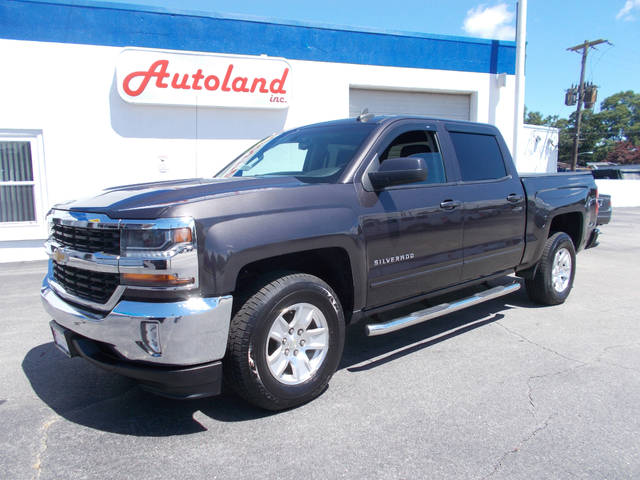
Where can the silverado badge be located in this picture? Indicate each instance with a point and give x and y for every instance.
(398, 258)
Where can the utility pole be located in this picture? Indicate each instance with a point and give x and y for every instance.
(585, 50)
(521, 42)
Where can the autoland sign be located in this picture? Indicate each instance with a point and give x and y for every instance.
(157, 77)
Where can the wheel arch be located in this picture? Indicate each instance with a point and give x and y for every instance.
(331, 264)
(571, 223)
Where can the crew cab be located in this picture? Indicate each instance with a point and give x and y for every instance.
(253, 275)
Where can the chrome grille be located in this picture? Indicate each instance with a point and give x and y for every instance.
(93, 286)
(106, 240)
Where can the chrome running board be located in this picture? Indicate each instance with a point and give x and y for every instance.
(430, 313)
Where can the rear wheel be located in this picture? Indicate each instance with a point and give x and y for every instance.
(556, 270)
(285, 342)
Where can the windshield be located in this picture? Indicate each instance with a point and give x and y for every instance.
(309, 153)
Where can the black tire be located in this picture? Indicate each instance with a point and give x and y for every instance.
(246, 367)
(542, 288)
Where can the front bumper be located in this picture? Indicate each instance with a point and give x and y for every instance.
(175, 382)
(191, 335)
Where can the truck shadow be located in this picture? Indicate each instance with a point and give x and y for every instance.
(89, 396)
(364, 353)
(86, 395)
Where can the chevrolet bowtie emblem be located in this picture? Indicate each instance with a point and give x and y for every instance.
(59, 256)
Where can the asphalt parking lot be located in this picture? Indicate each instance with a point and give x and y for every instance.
(503, 390)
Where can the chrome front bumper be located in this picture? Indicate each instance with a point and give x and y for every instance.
(191, 332)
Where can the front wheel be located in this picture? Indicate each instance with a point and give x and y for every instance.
(285, 342)
(553, 280)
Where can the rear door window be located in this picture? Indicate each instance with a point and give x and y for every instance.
(479, 156)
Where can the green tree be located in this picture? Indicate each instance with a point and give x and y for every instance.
(536, 118)
(619, 117)
(533, 118)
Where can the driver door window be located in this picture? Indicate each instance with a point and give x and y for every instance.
(422, 144)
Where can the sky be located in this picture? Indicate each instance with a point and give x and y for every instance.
(552, 27)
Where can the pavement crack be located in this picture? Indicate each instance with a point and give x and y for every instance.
(614, 364)
(44, 437)
(541, 427)
(44, 430)
(622, 345)
(550, 350)
(624, 367)
(531, 378)
(532, 405)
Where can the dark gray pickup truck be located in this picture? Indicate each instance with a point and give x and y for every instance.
(253, 275)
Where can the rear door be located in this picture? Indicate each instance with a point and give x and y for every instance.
(413, 237)
(494, 201)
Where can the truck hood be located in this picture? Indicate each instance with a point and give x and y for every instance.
(151, 200)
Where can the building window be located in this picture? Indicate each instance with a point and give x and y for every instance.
(17, 186)
(23, 187)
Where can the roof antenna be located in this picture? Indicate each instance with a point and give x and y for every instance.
(365, 116)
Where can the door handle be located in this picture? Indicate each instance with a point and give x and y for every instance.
(514, 198)
(450, 204)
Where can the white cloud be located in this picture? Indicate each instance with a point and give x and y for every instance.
(625, 12)
(492, 22)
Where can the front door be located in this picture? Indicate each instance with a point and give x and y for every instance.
(413, 232)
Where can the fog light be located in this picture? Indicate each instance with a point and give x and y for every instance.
(151, 337)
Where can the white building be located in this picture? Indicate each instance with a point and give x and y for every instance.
(96, 95)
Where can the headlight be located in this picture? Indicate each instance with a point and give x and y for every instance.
(153, 256)
(143, 241)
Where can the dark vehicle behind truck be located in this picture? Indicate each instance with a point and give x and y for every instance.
(617, 172)
(605, 209)
(254, 274)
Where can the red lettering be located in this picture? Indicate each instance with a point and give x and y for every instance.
(148, 75)
(183, 84)
(263, 85)
(209, 79)
(280, 83)
(225, 83)
(196, 78)
(240, 86)
(135, 83)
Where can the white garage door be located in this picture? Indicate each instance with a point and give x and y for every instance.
(391, 102)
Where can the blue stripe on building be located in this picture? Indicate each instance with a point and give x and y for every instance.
(93, 23)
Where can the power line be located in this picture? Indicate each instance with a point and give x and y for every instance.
(595, 62)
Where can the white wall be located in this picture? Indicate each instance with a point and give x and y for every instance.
(624, 193)
(93, 139)
(537, 149)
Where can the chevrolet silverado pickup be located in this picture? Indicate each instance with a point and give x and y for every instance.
(252, 276)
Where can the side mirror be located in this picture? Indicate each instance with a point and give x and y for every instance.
(398, 171)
